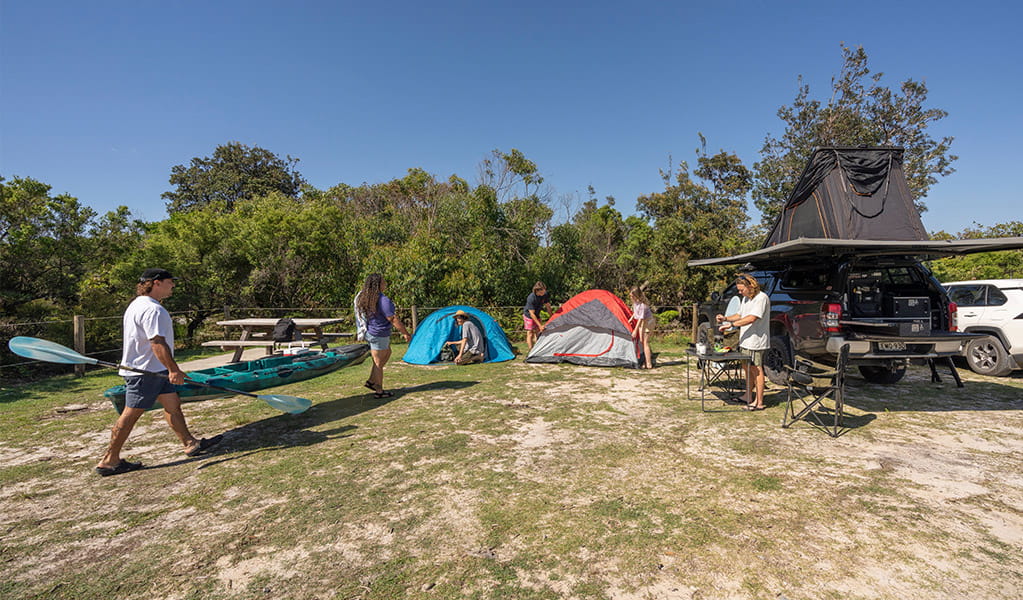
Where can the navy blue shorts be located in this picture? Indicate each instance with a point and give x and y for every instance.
(141, 391)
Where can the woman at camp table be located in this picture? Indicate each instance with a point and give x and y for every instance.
(376, 311)
(752, 321)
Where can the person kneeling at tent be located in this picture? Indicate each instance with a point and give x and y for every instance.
(470, 347)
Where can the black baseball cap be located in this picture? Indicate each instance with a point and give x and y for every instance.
(155, 275)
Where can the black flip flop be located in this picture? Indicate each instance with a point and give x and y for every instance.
(122, 467)
(204, 445)
(383, 394)
(369, 385)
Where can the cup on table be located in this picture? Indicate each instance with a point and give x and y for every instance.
(701, 348)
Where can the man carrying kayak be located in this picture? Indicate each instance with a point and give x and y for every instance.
(149, 345)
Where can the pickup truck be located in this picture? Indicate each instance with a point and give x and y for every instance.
(876, 296)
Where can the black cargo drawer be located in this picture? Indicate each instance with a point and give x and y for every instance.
(909, 307)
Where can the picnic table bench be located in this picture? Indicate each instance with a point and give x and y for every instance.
(255, 334)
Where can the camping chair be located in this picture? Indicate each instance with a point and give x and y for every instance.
(810, 385)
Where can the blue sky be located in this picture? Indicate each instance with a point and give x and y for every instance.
(101, 99)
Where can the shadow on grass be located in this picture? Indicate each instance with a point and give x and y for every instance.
(929, 397)
(286, 431)
(827, 417)
(674, 361)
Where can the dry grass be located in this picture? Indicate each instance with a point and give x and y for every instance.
(520, 481)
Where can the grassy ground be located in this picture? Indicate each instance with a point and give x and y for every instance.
(519, 481)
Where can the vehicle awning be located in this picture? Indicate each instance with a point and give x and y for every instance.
(806, 248)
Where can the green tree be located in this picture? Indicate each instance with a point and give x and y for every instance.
(556, 264)
(1007, 264)
(698, 215)
(512, 175)
(300, 254)
(44, 248)
(601, 234)
(203, 247)
(235, 172)
(860, 111)
(107, 281)
(463, 246)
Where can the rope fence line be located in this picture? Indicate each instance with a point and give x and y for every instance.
(73, 333)
(661, 309)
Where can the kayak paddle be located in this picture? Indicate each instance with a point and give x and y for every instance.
(47, 351)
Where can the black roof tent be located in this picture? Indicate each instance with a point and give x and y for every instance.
(853, 194)
(853, 201)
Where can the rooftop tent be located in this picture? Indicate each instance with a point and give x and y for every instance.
(592, 329)
(850, 194)
(439, 327)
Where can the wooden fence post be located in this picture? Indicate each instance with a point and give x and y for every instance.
(415, 319)
(696, 321)
(79, 329)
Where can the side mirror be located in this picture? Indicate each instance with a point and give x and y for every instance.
(715, 296)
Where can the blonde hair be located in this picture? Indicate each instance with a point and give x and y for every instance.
(637, 295)
(749, 281)
(539, 287)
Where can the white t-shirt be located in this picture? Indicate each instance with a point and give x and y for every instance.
(144, 319)
(755, 335)
(642, 312)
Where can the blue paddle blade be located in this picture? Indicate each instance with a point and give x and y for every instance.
(288, 404)
(47, 351)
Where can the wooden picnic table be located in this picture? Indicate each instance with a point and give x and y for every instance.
(254, 333)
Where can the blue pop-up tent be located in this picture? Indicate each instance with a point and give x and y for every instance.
(439, 327)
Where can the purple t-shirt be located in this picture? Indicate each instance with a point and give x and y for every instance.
(378, 324)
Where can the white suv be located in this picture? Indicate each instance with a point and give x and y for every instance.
(994, 307)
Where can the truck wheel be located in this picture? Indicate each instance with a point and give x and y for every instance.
(777, 357)
(883, 375)
(987, 356)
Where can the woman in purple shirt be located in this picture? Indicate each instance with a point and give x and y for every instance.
(378, 312)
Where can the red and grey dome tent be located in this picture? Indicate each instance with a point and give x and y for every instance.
(591, 329)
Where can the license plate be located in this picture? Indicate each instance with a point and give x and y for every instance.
(891, 346)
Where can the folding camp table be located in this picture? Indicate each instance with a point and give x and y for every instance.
(722, 376)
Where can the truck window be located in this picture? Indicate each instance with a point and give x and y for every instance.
(902, 276)
(804, 280)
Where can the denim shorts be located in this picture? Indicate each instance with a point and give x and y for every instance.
(382, 342)
(141, 391)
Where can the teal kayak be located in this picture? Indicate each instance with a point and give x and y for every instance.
(258, 374)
